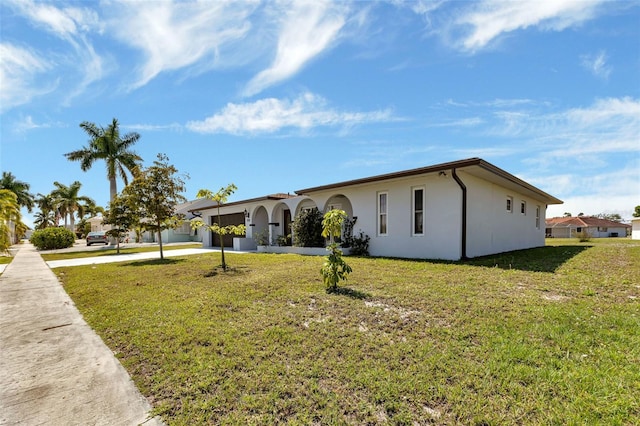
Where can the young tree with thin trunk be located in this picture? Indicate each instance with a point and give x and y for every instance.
(154, 194)
(334, 268)
(220, 198)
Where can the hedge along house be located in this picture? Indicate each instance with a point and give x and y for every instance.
(450, 211)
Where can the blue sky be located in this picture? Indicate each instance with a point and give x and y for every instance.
(277, 96)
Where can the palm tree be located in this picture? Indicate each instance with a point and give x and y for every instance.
(106, 144)
(10, 220)
(18, 187)
(42, 220)
(48, 207)
(68, 200)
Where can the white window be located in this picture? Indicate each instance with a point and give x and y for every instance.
(523, 207)
(418, 211)
(510, 204)
(382, 213)
(184, 229)
(537, 217)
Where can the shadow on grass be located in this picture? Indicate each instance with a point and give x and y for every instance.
(541, 259)
(231, 270)
(349, 292)
(151, 262)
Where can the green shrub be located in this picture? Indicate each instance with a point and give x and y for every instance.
(359, 245)
(52, 238)
(307, 229)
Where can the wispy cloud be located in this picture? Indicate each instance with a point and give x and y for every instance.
(19, 69)
(307, 29)
(175, 35)
(70, 24)
(26, 124)
(271, 115)
(484, 22)
(597, 64)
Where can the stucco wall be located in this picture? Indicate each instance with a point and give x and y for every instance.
(635, 229)
(491, 228)
(441, 239)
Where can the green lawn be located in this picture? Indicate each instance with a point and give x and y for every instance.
(111, 251)
(542, 336)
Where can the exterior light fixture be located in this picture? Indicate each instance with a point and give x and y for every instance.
(246, 214)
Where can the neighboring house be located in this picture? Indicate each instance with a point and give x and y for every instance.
(592, 227)
(182, 233)
(452, 211)
(635, 228)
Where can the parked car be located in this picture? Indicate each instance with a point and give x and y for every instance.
(97, 237)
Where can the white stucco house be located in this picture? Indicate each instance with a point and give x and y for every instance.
(452, 211)
(635, 228)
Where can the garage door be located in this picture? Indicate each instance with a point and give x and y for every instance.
(227, 219)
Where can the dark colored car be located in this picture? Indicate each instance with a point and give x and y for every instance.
(97, 237)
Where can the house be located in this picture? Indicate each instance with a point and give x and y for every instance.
(451, 211)
(592, 227)
(635, 228)
(182, 233)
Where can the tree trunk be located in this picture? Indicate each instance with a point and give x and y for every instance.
(160, 240)
(113, 189)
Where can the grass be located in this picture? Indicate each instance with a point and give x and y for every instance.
(541, 336)
(5, 259)
(111, 251)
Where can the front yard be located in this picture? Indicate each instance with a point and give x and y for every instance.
(549, 335)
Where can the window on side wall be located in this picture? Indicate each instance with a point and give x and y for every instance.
(510, 204)
(537, 217)
(382, 213)
(523, 207)
(418, 211)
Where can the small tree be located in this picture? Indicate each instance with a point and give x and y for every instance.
(220, 199)
(636, 212)
(121, 216)
(334, 268)
(154, 194)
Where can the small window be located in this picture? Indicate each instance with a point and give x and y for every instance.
(418, 211)
(523, 207)
(382, 213)
(602, 229)
(578, 229)
(510, 204)
(537, 217)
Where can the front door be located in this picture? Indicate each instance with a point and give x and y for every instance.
(286, 220)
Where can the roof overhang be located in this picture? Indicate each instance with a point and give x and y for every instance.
(474, 166)
(276, 197)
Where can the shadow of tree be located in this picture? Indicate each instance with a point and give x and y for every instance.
(540, 259)
(231, 270)
(349, 292)
(149, 262)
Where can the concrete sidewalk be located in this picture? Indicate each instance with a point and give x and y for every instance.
(54, 369)
(129, 257)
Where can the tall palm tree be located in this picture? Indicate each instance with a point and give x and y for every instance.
(107, 144)
(18, 187)
(69, 200)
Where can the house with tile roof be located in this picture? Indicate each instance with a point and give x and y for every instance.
(593, 227)
(456, 210)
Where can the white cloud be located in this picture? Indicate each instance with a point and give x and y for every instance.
(19, 68)
(307, 29)
(486, 21)
(271, 115)
(174, 35)
(597, 65)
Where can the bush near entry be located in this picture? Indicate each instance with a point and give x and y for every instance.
(52, 238)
